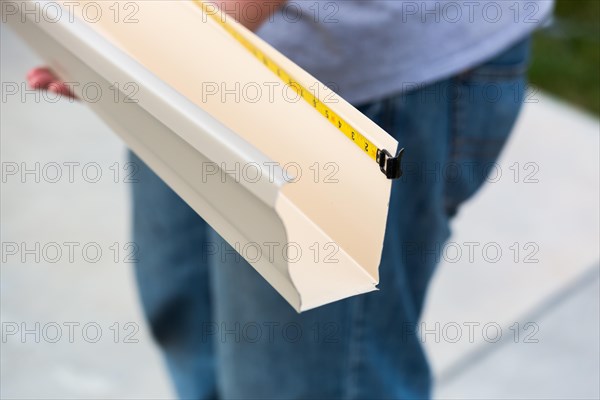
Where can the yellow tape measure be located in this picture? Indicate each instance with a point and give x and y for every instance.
(388, 164)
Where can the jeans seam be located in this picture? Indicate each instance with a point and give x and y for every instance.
(455, 118)
(454, 129)
(499, 72)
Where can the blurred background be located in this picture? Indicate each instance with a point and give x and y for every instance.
(72, 326)
(566, 54)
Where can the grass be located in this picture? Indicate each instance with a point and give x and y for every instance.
(566, 55)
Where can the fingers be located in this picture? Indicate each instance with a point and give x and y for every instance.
(44, 79)
(40, 78)
(61, 88)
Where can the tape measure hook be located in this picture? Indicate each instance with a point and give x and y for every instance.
(389, 165)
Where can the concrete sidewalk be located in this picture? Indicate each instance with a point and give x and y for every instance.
(519, 323)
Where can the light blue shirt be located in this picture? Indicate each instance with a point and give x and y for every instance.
(369, 49)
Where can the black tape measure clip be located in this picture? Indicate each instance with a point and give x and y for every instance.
(390, 166)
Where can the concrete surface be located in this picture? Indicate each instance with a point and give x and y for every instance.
(550, 210)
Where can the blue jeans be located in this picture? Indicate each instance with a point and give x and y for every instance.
(226, 333)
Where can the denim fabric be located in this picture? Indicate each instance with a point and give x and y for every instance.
(226, 333)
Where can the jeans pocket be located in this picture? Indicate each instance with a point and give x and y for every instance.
(485, 104)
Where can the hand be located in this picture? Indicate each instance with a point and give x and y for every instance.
(44, 79)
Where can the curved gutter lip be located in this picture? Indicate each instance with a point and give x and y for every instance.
(169, 106)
